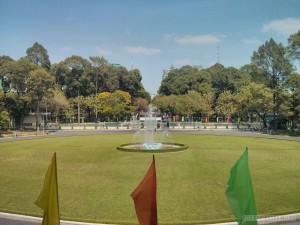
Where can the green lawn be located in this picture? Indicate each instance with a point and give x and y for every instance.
(96, 180)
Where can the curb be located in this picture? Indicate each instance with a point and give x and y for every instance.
(276, 219)
(264, 219)
(38, 220)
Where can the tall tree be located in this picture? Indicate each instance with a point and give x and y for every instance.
(226, 104)
(294, 46)
(257, 75)
(39, 83)
(229, 79)
(181, 81)
(141, 104)
(4, 115)
(271, 58)
(188, 104)
(77, 80)
(293, 85)
(97, 70)
(38, 55)
(4, 61)
(61, 71)
(55, 102)
(255, 98)
(114, 104)
(131, 83)
(15, 74)
(207, 103)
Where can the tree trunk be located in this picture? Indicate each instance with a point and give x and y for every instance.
(37, 114)
(263, 117)
(78, 111)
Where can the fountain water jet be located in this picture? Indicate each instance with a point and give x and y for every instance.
(152, 137)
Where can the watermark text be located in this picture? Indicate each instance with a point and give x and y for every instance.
(269, 218)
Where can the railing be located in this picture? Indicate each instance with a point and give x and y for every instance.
(136, 125)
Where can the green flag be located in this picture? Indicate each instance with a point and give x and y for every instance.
(240, 193)
(48, 198)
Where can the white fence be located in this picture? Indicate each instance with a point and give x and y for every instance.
(136, 125)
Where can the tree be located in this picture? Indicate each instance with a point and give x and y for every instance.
(207, 103)
(4, 119)
(39, 83)
(215, 69)
(120, 102)
(205, 88)
(226, 104)
(77, 80)
(78, 102)
(162, 102)
(17, 101)
(257, 75)
(294, 46)
(38, 55)
(103, 105)
(91, 107)
(284, 105)
(97, 70)
(4, 116)
(272, 60)
(229, 79)
(293, 86)
(61, 71)
(181, 81)
(4, 61)
(55, 102)
(255, 98)
(114, 104)
(131, 82)
(188, 104)
(193, 102)
(141, 104)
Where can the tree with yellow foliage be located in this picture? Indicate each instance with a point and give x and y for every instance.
(114, 105)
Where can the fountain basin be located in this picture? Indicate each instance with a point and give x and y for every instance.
(152, 147)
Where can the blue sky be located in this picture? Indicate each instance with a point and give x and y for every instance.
(147, 35)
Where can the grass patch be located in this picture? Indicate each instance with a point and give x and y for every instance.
(95, 180)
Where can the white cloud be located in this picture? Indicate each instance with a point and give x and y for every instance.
(198, 39)
(285, 26)
(137, 50)
(251, 41)
(103, 51)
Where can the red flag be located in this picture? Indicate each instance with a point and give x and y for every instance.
(144, 197)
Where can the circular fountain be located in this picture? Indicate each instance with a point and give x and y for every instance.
(152, 137)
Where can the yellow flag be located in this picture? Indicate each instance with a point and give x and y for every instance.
(48, 198)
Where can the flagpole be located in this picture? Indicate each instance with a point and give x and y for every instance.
(57, 187)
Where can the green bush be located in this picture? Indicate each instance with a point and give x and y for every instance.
(4, 120)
